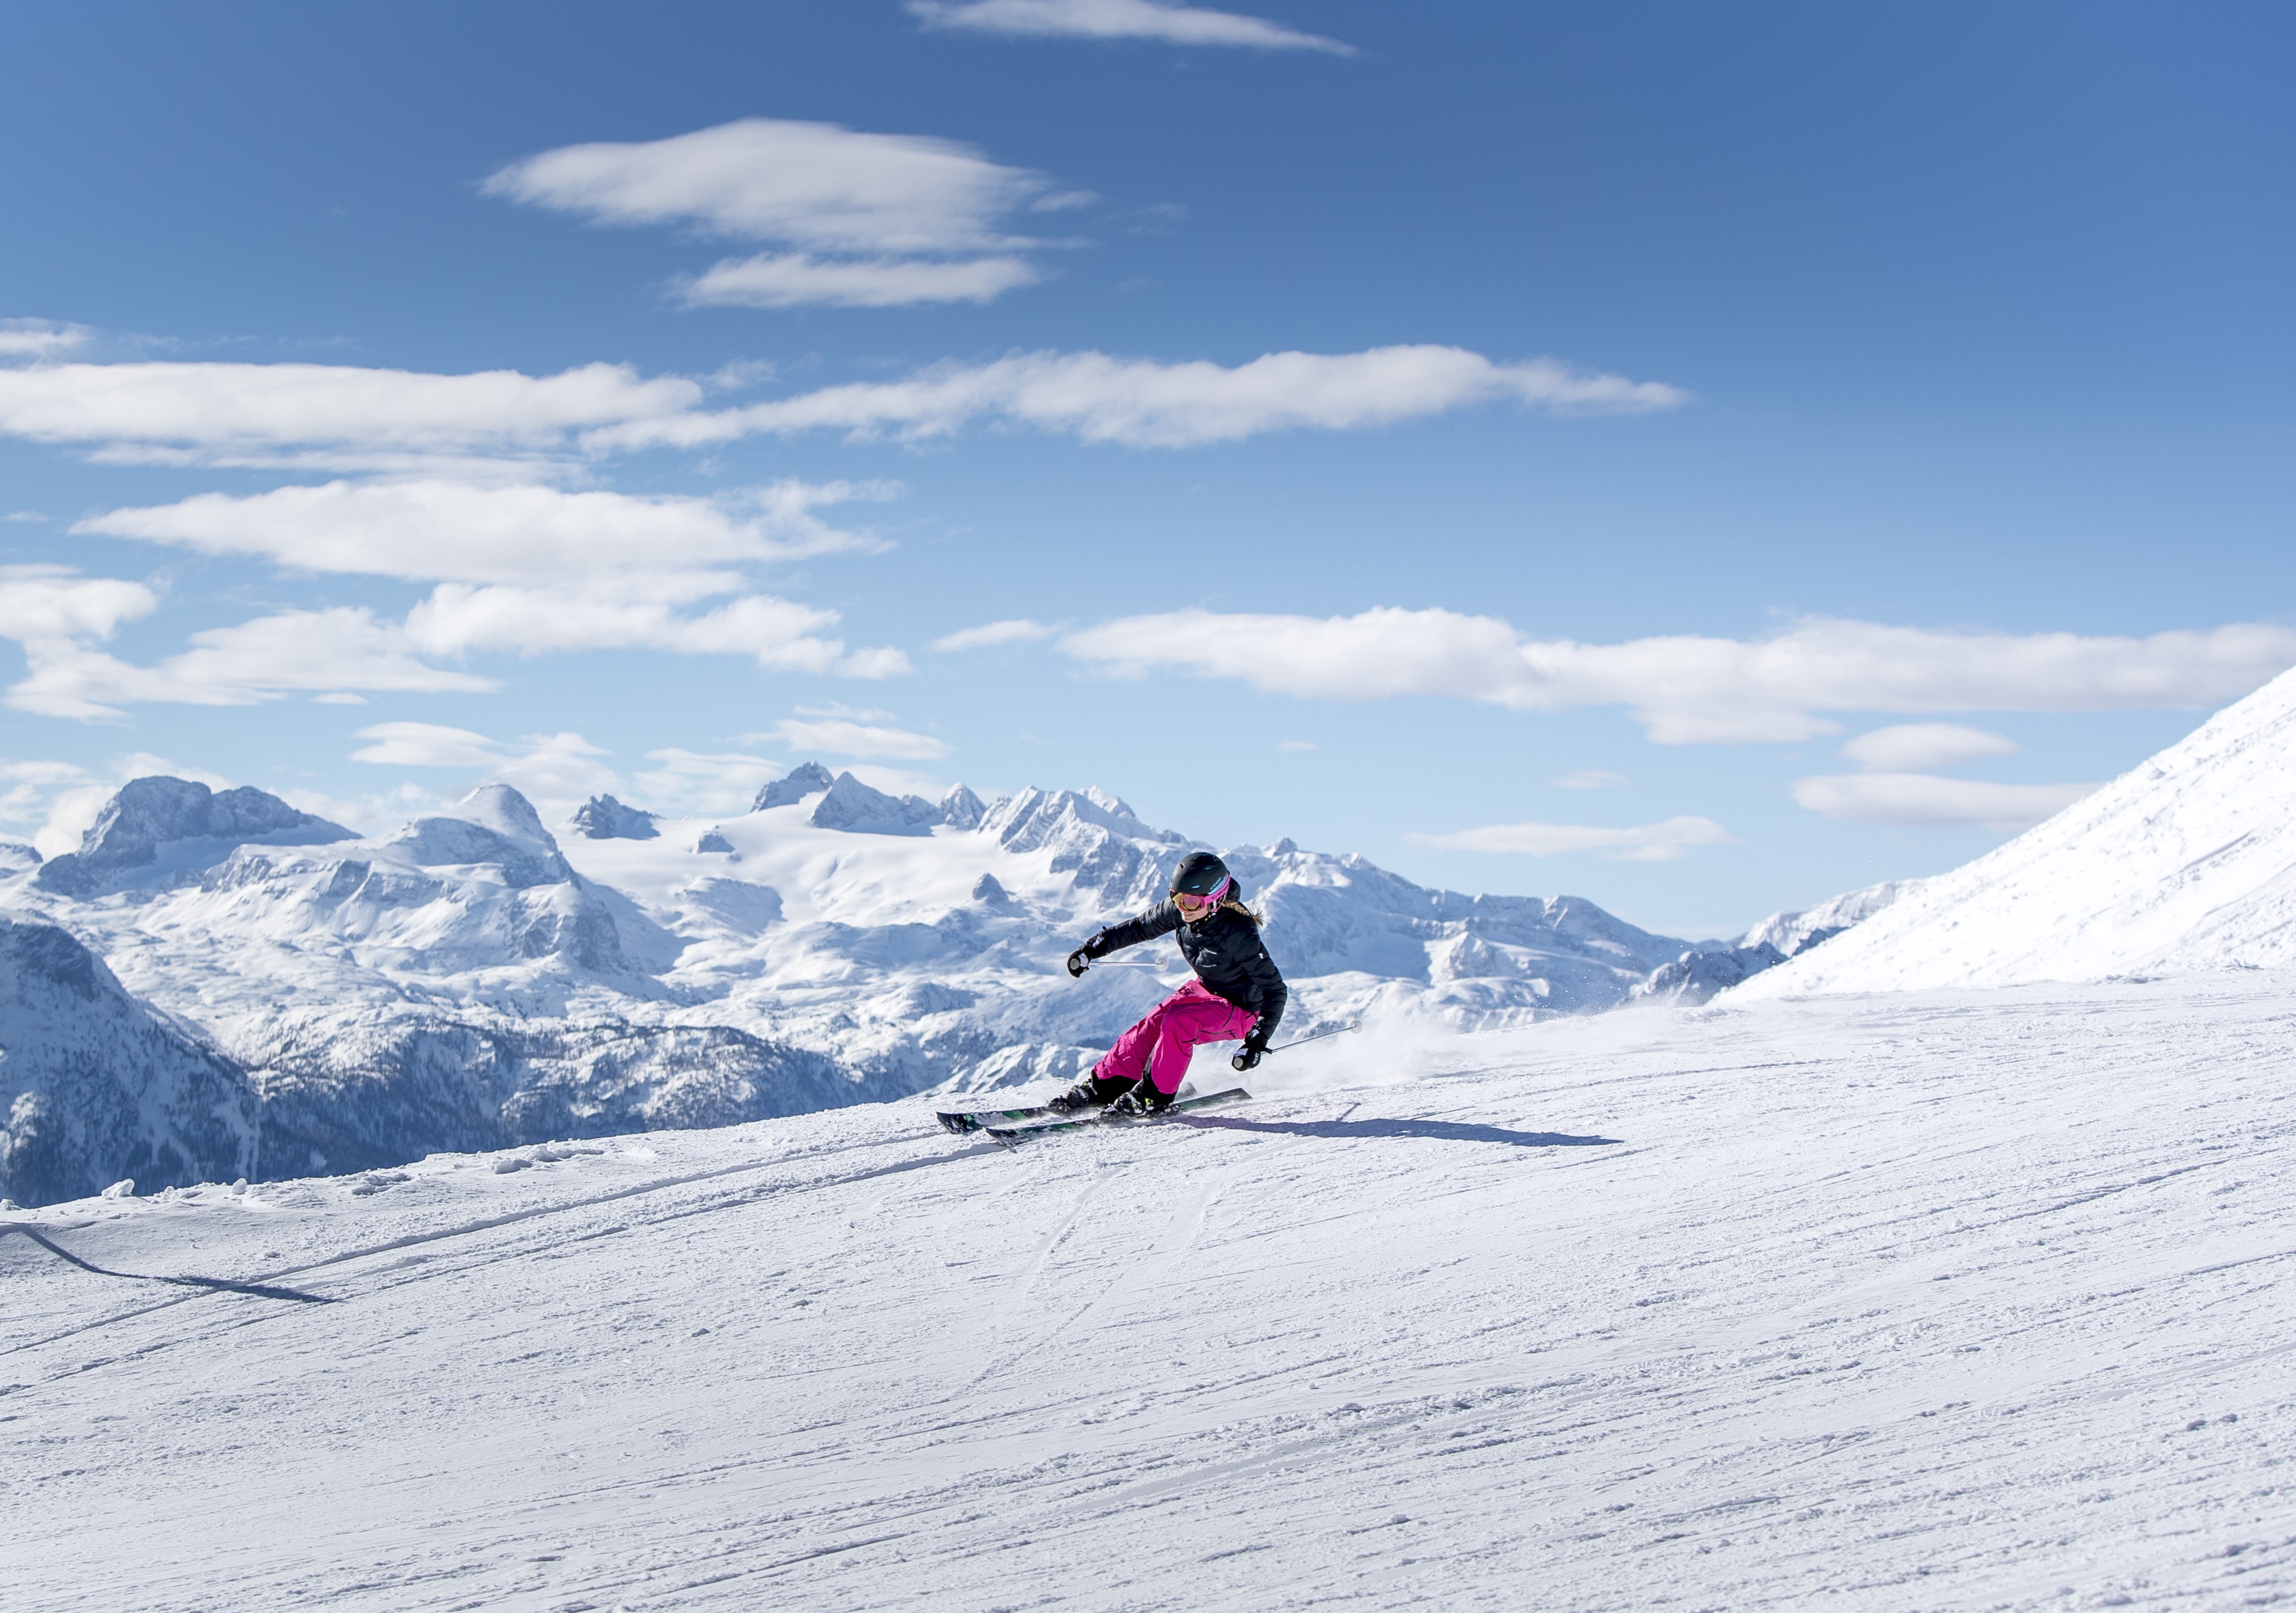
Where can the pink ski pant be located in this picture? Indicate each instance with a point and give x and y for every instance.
(1162, 1044)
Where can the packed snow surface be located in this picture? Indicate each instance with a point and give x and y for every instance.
(2186, 862)
(1972, 1300)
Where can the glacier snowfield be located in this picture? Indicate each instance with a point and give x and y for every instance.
(1940, 1300)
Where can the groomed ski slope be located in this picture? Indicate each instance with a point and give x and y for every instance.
(1940, 1301)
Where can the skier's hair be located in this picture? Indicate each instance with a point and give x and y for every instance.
(1235, 905)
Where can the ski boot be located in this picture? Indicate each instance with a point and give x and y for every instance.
(1089, 1095)
(1143, 1103)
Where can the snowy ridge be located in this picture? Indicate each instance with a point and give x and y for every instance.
(469, 981)
(2185, 862)
(95, 1087)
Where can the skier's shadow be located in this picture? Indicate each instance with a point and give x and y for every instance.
(261, 1290)
(1445, 1130)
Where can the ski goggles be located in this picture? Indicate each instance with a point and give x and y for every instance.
(1213, 897)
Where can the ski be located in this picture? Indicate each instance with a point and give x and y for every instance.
(977, 1119)
(1009, 1136)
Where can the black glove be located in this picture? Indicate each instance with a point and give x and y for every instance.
(1255, 1049)
(1081, 958)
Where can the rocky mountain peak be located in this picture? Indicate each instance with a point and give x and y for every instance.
(855, 808)
(602, 817)
(960, 808)
(805, 779)
(165, 825)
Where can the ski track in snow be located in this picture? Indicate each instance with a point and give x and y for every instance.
(1936, 1301)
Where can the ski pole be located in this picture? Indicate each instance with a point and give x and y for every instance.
(1317, 1036)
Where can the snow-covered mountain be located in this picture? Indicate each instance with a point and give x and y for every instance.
(1700, 972)
(469, 980)
(2186, 862)
(94, 1087)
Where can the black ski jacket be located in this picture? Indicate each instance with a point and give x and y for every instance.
(1225, 950)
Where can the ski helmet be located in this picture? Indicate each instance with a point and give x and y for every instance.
(1199, 874)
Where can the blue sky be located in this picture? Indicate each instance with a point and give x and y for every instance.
(1681, 393)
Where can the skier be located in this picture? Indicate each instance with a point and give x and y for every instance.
(1237, 992)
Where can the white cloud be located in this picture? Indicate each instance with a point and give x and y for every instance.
(815, 185)
(333, 650)
(478, 431)
(1591, 778)
(43, 774)
(1693, 690)
(45, 603)
(529, 570)
(1910, 747)
(1017, 631)
(1144, 403)
(425, 745)
(553, 770)
(433, 531)
(705, 783)
(780, 636)
(557, 771)
(1297, 747)
(908, 218)
(1666, 842)
(366, 814)
(789, 280)
(1120, 19)
(341, 648)
(1919, 799)
(24, 515)
(39, 339)
(837, 736)
(324, 414)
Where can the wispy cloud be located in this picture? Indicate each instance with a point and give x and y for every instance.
(503, 427)
(336, 416)
(553, 770)
(536, 570)
(61, 619)
(1120, 19)
(37, 339)
(777, 634)
(1665, 842)
(1924, 800)
(838, 736)
(904, 219)
(1016, 631)
(295, 650)
(40, 605)
(433, 530)
(1591, 778)
(1146, 403)
(1910, 747)
(790, 280)
(425, 745)
(1695, 690)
